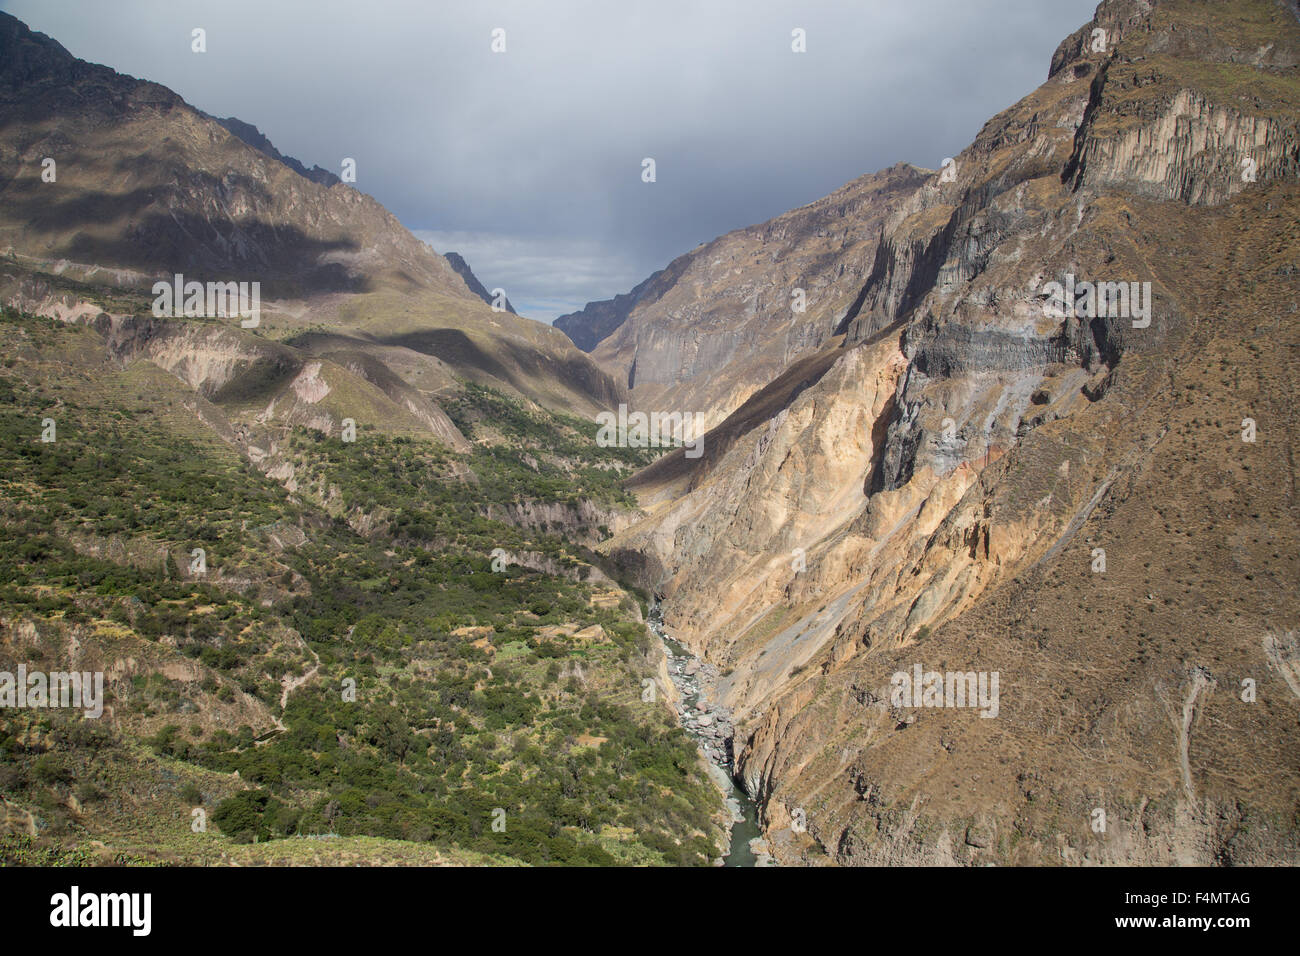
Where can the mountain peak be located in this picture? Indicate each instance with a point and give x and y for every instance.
(457, 262)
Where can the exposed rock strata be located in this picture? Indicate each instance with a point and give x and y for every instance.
(938, 494)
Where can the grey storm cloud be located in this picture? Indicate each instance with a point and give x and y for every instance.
(528, 162)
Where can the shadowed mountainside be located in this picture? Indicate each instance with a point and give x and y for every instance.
(146, 186)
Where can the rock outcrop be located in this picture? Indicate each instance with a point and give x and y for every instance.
(457, 262)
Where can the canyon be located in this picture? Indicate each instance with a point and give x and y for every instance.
(908, 449)
(928, 464)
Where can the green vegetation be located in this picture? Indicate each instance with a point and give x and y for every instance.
(542, 455)
(429, 691)
(19, 849)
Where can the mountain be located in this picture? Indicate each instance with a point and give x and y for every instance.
(146, 186)
(597, 320)
(723, 320)
(333, 568)
(314, 648)
(950, 471)
(255, 138)
(457, 262)
(989, 555)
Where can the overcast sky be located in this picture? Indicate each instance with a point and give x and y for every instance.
(529, 162)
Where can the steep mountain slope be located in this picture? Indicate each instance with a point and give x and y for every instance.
(457, 262)
(332, 567)
(722, 321)
(144, 186)
(596, 320)
(976, 480)
(255, 138)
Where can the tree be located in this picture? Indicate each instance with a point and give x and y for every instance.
(241, 817)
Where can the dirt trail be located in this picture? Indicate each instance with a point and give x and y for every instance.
(289, 685)
(1200, 681)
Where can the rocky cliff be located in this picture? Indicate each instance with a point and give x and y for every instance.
(457, 262)
(722, 321)
(977, 481)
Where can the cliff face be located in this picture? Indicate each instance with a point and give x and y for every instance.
(597, 320)
(937, 489)
(1150, 131)
(725, 319)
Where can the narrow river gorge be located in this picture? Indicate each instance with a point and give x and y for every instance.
(709, 724)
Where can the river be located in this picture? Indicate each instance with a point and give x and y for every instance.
(710, 727)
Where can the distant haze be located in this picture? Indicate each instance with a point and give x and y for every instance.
(529, 162)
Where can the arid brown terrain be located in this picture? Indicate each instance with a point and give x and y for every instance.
(955, 473)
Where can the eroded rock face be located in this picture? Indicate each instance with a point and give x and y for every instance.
(579, 521)
(284, 386)
(940, 494)
(205, 357)
(722, 321)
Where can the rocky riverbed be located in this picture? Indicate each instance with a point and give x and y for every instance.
(707, 722)
(710, 724)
